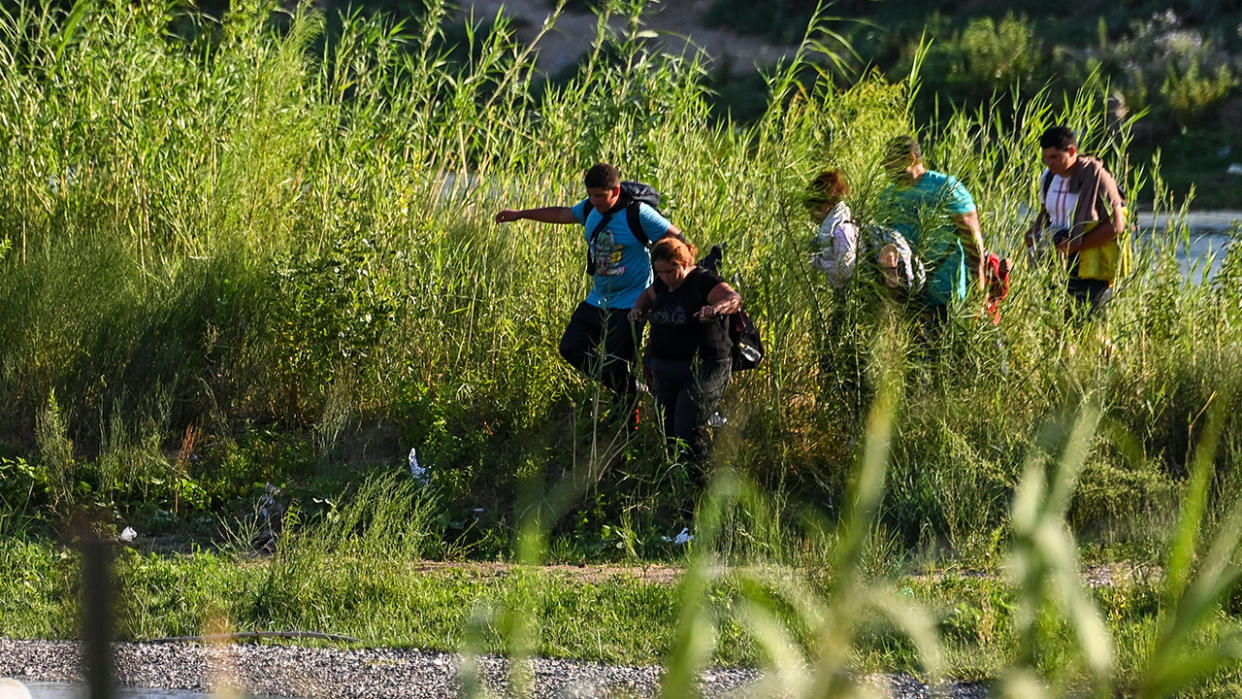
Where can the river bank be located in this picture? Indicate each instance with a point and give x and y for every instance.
(375, 673)
(287, 671)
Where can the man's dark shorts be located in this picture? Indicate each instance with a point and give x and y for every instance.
(588, 327)
(1091, 296)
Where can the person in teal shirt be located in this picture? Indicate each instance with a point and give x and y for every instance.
(937, 216)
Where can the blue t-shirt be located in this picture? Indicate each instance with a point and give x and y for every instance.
(622, 264)
(922, 213)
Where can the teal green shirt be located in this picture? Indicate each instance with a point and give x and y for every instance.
(923, 214)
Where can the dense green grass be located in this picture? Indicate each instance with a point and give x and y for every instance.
(232, 257)
(616, 620)
(234, 260)
(385, 600)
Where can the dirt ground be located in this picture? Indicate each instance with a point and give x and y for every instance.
(1095, 575)
(660, 574)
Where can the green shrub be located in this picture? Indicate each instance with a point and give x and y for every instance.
(1190, 95)
(270, 244)
(1162, 57)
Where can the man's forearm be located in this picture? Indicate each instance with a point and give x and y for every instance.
(1101, 234)
(731, 303)
(549, 214)
(545, 214)
(972, 244)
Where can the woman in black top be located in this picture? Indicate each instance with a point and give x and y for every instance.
(689, 353)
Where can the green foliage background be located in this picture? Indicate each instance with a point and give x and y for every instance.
(235, 254)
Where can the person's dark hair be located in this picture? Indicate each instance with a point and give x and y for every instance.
(1060, 137)
(902, 147)
(674, 250)
(603, 176)
(828, 186)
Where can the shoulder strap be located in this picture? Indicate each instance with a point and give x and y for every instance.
(1044, 185)
(636, 224)
(603, 221)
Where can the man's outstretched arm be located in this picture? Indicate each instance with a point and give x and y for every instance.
(545, 214)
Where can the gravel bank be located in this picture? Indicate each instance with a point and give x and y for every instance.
(290, 671)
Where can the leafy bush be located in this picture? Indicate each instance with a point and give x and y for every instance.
(270, 245)
(1183, 67)
(999, 54)
(1190, 95)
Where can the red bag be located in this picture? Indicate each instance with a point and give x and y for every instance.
(996, 271)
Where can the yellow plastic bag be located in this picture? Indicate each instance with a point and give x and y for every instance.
(1108, 261)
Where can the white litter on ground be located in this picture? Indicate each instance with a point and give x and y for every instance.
(416, 470)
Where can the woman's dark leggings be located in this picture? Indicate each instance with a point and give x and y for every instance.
(688, 392)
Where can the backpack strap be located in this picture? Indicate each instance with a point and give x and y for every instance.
(636, 224)
(1044, 184)
(603, 221)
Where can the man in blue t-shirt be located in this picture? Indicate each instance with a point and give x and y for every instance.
(620, 267)
(938, 218)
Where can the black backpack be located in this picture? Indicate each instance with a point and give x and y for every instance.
(635, 193)
(747, 345)
(632, 194)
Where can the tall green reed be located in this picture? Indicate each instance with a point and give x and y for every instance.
(387, 518)
(806, 626)
(1180, 658)
(238, 223)
(1045, 567)
(234, 223)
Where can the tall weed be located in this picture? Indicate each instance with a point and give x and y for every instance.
(236, 224)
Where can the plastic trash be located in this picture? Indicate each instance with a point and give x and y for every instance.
(416, 470)
(717, 420)
(268, 506)
(684, 537)
(128, 535)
